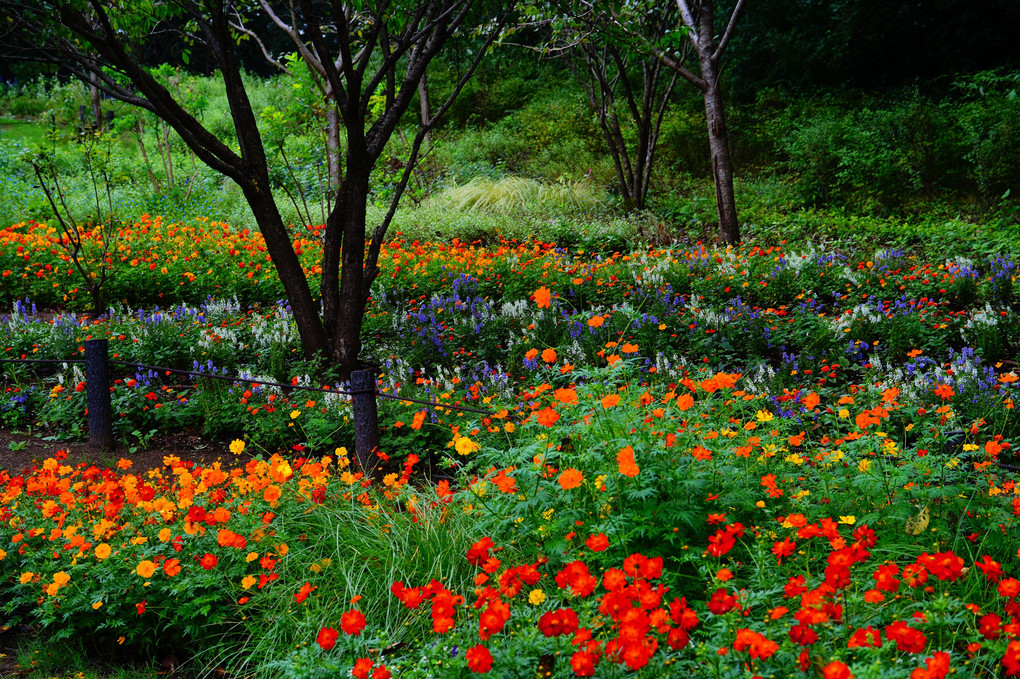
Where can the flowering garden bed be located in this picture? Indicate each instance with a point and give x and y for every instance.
(706, 462)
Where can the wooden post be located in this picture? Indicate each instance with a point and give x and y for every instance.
(366, 421)
(97, 393)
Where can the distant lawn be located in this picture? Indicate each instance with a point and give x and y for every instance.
(22, 131)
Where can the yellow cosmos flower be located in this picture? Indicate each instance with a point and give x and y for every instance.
(848, 520)
(294, 414)
(237, 446)
(466, 446)
(536, 597)
(764, 416)
(26, 577)
(248, 581)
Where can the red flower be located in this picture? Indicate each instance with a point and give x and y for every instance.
(326, 638)
(208, 561)
(1009, 588)
(597, 543)
(352, 622)
(576, 576)
(721, 602)
(989, 626)
(837, 670)
(559, 622)
(885, 578)
(757, 646)
(935, 667)
(479, 660)
(802, 635)
(991, 568)
(303, 593)
(362, 666)
(140, 607)
(908, 639)
(493, 618)
(479, 551)
(783, 549)
(583, 663)
(865, 537)
(1011, 659)
(865, 636)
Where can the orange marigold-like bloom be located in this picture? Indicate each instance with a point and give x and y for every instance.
(610, 400)
(542, 296)
(570, 479)
(626, 462)
(145, 568)
(419, 419)
(478, 658)
(547, 417)
(549, 355)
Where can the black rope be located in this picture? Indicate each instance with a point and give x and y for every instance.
(285, 385)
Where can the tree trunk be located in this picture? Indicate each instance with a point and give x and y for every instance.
(722, 164)
(97, 109)
(426, 109)
(333, 146)
(288, 268)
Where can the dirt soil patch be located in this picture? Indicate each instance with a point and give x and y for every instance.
(20, 451)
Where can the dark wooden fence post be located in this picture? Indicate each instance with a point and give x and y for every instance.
(366, 421)
(97, 392)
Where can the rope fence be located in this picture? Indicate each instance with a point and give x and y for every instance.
(363, 395)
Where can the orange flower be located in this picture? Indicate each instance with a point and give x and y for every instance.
(542, 297)
(810, 400)
(568, 396)
(549, 355)
(625, 460)
(685, 401)
(208, 561)
(596, 321)
(145, 568)
(570, 478)
(172, 567)
(610, 400)
(419, 419)
(548, 417)
(944, 392)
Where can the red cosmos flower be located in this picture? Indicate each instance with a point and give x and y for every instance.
(381, 672)
(362, 666)
(575, 575)
(583, 663)
(326, 639)
(935, 667)
(597, 543)
(479, 660)
(559, 622)
(637, 654)
(493, 618)
(638, 565)
(140, 606)
(864, 637)
(303, 593)
(837, 670)
(991, 568)
(721, 602)
(865, 537)
(802, 635)
(908, 639)
(885, 578)
(1009, 588)
(915, 575)
(757, 645)
(172, 567)
(943, 565)
(795, 587)
(783, 549)
(682, 615)
(990, 626)
(479, 551)
(208, 561)
(352, 622)
(1011, 659)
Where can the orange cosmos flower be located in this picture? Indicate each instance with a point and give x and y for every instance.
(568, 396)
(810, 400)
(685, 401)
(548, 417)
(944, 392)
(208, 561)
(596, 321)
(625, 460)
(102, 551)
(549, 355)
(542, 297)
(172, 567)
(570, 478)
(419, 419)
(610, 400)
(145, 569)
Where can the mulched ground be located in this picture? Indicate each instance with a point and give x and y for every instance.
(20, 451)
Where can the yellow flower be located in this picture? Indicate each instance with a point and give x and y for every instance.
(3, 555)
(864, 465)
(848, 520)
(26, 577)
(294, 414)
(844, 413)
(60, 578)
(466, 446)
(237, 446)
(248, 581)
(165, 535)
(536, 597)
(145, 568)
(760, 504)
(764, 416)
